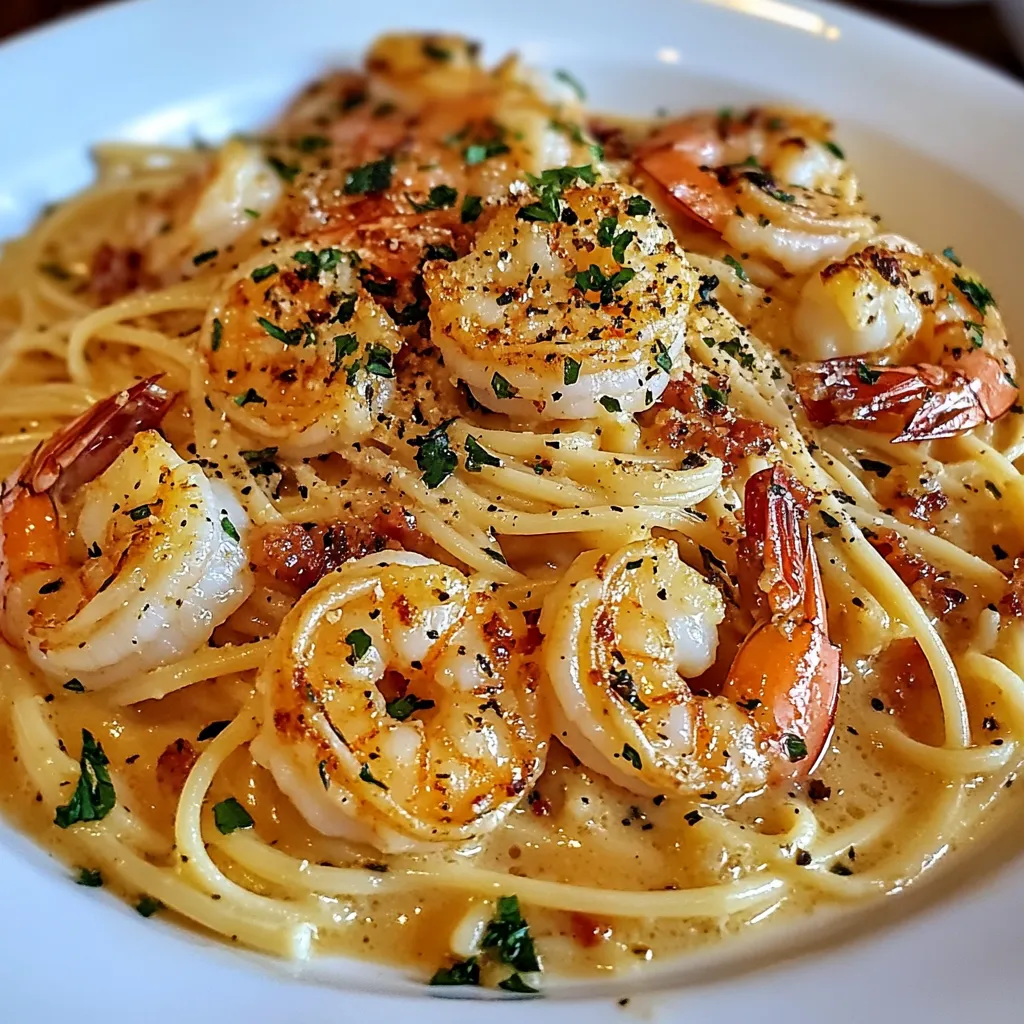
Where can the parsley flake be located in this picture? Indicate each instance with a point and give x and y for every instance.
(570, 370)
(359, 641)
(93, 798)
(405, 706)
(436, 458)
(230, 816)
(370, 178)
(477, 456)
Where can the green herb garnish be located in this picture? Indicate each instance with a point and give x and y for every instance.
(230, 816)
(94, 797)
(436, 458)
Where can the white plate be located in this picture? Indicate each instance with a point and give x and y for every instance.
(939, 141)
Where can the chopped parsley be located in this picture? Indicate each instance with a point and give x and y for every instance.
(549, 187)
(952, 257)
(472, 207)
(835, 150)
(570, 371)
(140, 512)
(216, 335)
(736, 266)
(229, 528)
(230, 816)
(344, 345)
(766, 183)
(508, 937)
(477, 456)
(514, 983)
(148, 906)
(440, 197)
(593, 280)
(572, 81)
(204, 257)
(977, 294)
(367, 776)
(89, 877)
(378, 360)
(359, 641)
(436, 458)
(637, 206)
(462, 972)
(287, 172)
(866, 374)
(827, 519)
(502, 388)
(630, 755)
(74, 686)
(610, 404)
(440, 252)
(370, 178)
(94, 797)
(796, 749)
(975, 332)
(262, 273)
(739, 352)
(292, 337)
(250, 396)
(715, 397)
(477, 152)
(408, 705)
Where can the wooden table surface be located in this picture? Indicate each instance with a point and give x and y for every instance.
(974, 28)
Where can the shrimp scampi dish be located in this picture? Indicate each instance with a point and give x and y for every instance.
(453, 528)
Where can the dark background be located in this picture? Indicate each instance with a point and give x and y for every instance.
(971, 27)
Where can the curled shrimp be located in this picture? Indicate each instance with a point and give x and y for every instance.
(908, 343)
(625, 632)
(118, 556)
(400, 706)
(573, 300)
(770, 182)
(303, 353)
(214, 210)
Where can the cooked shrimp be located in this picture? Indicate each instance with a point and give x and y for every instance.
(302, 351)
(118, 555)
(572, 300)
(910, 344)
(214, 210)
(624, 633)
(399, 705)
(770, 182)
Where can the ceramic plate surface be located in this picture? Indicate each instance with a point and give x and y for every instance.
(939, 143)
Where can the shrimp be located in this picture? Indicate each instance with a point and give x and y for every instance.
(908, 343)
(118, 556)
(213, 211)
(770, 182)
(624, 632)
(400, 705)
(302, 351)
(573, 300)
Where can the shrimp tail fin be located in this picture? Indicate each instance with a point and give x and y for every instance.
(87, 446)
(923, 402)
(787, 671)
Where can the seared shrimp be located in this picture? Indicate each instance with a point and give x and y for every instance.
(770, 182)
(213, 211)
(399, 705)
(118, 555)
(573, 300)
(624, 633)
(302, 351)
(909, 343)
